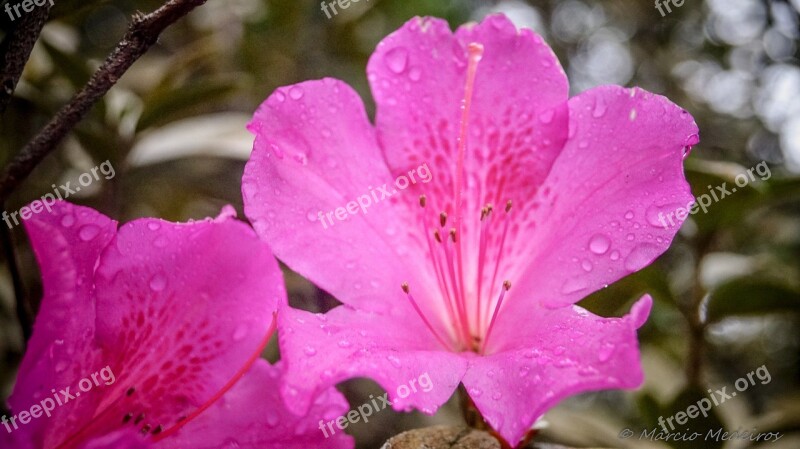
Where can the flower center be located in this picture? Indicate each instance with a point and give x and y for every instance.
(470, 317)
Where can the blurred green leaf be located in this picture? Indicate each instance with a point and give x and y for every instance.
(183, 102)
(752, 296)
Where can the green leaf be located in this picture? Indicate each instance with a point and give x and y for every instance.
(752, 296)
(184, 101)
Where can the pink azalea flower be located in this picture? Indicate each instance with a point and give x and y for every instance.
(150, 336)
(536, 200)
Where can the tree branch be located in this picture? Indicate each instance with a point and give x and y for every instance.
(142, 34)
(16, 50)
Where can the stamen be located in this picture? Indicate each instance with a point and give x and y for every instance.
(506, 287)
(453, 235)
(414, 304)
(437, 236)
(127, 418)
(502, 245)
(442, 219)
(422, 201)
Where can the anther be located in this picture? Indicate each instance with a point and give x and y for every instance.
(139, 419)
(130, 391)
(437, 236)
(453, 235)
(405, 288)
(127, 418)
(507, 285)
(422, 201)
(158, 430)
(442, 219)
(146, 429)
(508, 206)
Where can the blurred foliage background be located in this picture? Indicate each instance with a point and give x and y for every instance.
(727, 292)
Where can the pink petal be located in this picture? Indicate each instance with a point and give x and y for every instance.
(182, 309)
(322, 350)
(558, 353)
(119, 440)
(598, 212)
(517, 124)
(315, 151)
(67, 243)
(255, 417)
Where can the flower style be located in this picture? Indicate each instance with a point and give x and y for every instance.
(174, 317)
(536, 201)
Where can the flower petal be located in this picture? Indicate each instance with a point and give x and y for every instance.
(255, 417)
(67, 242)
(182, 309)
(598, 216)
(322, 350)
(559, 353)
(518, 123)
(315, 153)
(118, 440)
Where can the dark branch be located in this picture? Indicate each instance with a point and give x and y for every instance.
(16, 50)
(23, 307)
(142, 34)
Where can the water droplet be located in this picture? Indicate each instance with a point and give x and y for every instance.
(573, 285)
(296, 92)
(397, 59)
(240, 332)
(586, 265)
(630, 237)
(583, 144)
(599, 244)
(312, 216)
(559, 350)
(88, 232)
(154, 226)
(280, 96)
(344, 344)
(497, 395)
(605, 352)
(276, 150)
(641, 256)
(629, 215)
(614, 255)
(67, 221)
(547, 116)
(415, 74)
(475, 392)
(158, 282)
(394, 360)
(61, 366)
(309, 351)
(301, 158)
(600, 107)
(161, 242)
(632, 115)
